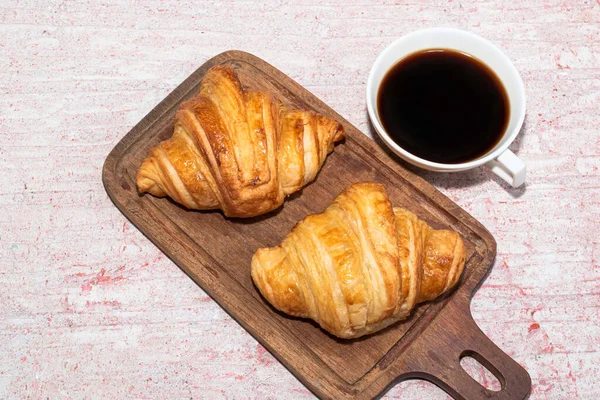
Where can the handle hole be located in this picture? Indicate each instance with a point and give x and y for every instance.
(482, 371)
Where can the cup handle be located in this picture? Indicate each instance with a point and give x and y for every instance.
(508, 167)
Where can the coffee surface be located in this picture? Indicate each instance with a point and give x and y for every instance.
(443, 106)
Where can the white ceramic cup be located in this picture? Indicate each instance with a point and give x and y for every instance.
(500, 159)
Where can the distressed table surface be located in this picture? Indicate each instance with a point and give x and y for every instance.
(90, 308)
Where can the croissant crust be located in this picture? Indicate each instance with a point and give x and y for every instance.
(359, 266)
(237, 150)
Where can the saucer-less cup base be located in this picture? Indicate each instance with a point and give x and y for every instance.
(500, 159)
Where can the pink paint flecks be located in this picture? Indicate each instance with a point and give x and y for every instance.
(101, 279)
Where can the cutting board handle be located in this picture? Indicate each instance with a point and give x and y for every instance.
(457, 336)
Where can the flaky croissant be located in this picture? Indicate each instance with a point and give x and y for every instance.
(359, 266)
(237, 150)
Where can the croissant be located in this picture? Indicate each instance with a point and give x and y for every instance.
(236, 150)
(359, 266)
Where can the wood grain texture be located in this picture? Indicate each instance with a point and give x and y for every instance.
(216, 252)
(91, 308)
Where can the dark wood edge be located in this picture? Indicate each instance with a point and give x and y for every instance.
(489, 244)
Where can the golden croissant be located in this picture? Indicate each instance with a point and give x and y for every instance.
(359, 266)
(236, 150)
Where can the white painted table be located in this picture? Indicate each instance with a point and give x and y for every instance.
(89, 308)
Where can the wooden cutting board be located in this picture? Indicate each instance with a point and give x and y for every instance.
(216, 252)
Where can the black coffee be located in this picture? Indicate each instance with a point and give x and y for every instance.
(443, 106)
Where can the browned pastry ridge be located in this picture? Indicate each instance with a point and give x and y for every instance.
(236, 150)
(360, 265)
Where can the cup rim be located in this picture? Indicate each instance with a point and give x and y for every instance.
(421, 162)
